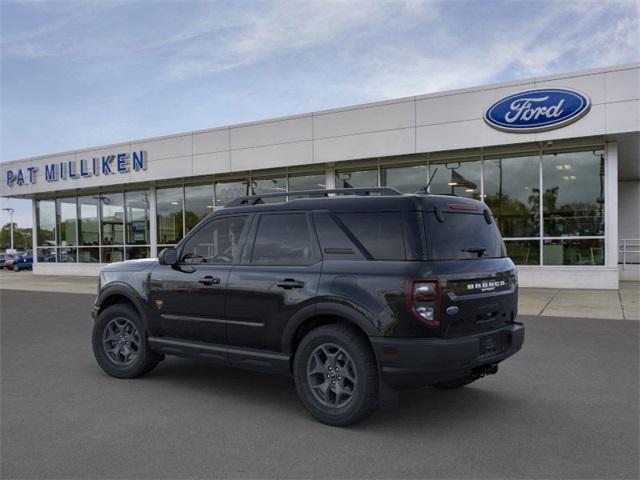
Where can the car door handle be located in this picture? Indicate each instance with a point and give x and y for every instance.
(209, 280)
(288, 283)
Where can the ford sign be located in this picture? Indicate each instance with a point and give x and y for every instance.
(537, 110)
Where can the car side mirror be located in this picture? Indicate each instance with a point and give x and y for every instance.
(168, 256)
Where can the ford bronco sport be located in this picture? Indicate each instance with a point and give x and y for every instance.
(355, 293)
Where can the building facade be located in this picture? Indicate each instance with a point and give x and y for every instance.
(556, 158)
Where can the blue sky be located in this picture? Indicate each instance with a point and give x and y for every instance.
(80, 74)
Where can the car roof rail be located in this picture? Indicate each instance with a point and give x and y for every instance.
(257, 199)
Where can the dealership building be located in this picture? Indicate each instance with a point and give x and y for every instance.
(556, 158)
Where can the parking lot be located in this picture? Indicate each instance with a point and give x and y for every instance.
(566, 406)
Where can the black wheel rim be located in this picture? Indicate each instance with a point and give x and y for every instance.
(121, 341)
(331, 375)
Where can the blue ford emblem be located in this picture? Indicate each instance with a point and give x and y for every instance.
(452, 310)
(537, 110)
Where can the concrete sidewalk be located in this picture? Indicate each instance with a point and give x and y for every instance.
(620, 304)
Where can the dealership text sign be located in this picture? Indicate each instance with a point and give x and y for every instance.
(537, 110)
(76, 169)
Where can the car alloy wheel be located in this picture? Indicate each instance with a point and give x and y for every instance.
(121, 341)
(331, 375)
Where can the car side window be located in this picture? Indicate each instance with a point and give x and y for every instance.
(381, 233)
(335, 243)
(283, 239)
(217, 242)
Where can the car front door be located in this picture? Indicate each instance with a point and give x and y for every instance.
(277, 277)
(189, 298)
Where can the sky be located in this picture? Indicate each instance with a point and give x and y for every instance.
(86, 73)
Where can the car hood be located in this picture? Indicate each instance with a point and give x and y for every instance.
(131, 265)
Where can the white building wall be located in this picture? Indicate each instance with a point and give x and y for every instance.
(429, 123)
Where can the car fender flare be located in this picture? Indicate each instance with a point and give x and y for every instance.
(125, 290)
(346, 312)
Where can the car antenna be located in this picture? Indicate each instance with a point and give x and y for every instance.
(426, 187)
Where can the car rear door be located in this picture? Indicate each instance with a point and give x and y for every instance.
(278, 276)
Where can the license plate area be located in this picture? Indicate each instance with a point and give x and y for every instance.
(491, 344)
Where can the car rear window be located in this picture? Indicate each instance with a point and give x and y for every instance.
(462, 236)
(380, 233)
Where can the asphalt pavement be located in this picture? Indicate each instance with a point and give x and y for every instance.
(566, 406)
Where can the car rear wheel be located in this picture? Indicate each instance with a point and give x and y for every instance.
(336, 375)
(16, 268)
(120, 345)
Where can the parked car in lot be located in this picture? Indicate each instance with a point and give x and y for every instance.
(3, 258)
(7, 261)
(23, 262)
(354, 293)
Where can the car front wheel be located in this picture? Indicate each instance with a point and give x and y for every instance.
(336, 375)
(120, 345)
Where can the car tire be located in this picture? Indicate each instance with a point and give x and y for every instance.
(455, 383)
(16, 268)
(353, 395)
(119, 341)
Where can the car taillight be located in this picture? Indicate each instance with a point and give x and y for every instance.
(423, 300)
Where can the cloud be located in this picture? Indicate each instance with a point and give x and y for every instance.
(547, 44)
(286, 27)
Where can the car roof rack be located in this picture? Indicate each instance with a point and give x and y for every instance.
(257, 199)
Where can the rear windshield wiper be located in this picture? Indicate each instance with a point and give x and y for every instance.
(479, 250)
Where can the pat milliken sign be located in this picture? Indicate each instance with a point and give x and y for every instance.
(105, 165)
(537, 110)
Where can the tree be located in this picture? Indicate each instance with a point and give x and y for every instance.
(21, 237)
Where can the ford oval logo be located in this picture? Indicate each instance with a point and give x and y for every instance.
(537, 110)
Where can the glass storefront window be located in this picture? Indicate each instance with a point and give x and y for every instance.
(112, 254)
(574, 251)
(512, 191)
(112, 218)
(132, 253)
(169, 207)
(89, 255)
(46, 218)
(67, 221)
(573, 198)
(307, 182)
(523, 252)
(357, 179)
(67, 255)
(47, 255)
(456, 178)
(405, 179)
(227, 191)
(88, 220)
(137, 217)
(198, 203)
(269, 185)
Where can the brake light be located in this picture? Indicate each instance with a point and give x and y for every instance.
(423, 301)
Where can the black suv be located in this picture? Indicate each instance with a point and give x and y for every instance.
(356, 293)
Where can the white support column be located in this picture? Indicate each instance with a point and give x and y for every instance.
(153, 225)
(330, 177)
(34, 232)
(611, 205)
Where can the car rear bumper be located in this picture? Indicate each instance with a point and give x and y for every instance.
(408, 363)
